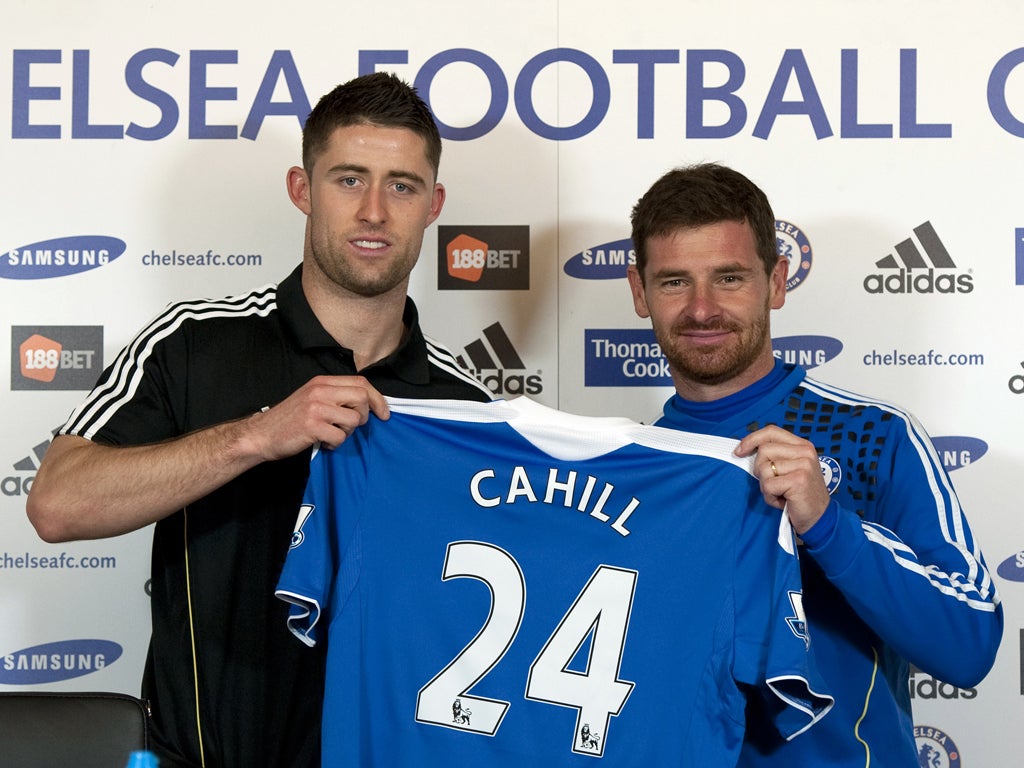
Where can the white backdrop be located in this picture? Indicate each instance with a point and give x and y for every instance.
(887, 136)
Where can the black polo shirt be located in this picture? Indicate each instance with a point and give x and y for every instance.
(220, 642)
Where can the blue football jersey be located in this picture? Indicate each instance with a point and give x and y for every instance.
(503, 584)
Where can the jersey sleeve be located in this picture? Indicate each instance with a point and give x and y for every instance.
(917, 572)
(309, 568)
(774, 651)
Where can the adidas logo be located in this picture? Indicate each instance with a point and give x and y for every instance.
(491, 357)
(917, 272)
(18, 485)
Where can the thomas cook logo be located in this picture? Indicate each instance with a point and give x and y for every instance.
(483, 258)
(1019, 240)
(624, 357)
(935, 749)
(602, 262)
(60, 257)
(957, 451)
(498, 366)
(794, 245)
(56, 357)
(911, 271)
(53, 662)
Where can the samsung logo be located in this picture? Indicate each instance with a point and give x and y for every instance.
(602, 262)
(956, 451)
(53, 662)
(1012, 568)
(806, 351)
(60, 257)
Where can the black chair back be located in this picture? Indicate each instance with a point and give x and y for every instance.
(85, 730)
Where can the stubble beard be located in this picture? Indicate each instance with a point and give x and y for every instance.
(715, 365)
(368, 282)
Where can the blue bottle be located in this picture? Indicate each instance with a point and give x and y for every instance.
(143, 760)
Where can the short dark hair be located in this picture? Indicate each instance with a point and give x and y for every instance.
(696, 195)
(381, 99)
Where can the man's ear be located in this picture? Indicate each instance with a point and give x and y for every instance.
(299, 189)
(436, 203)
(636, 287)
(777, 283)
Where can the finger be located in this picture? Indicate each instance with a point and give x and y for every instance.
(378, 403)
(771, 470)
(760, 438)
(357, 393)
(331, 435)
(348, 418)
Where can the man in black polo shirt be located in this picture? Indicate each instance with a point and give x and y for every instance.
(204, 421)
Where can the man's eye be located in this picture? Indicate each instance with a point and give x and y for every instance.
(400, 187)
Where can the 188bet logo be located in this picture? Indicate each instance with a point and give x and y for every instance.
(483, 258)
(40, 358)
(467, 258)
(55, 357)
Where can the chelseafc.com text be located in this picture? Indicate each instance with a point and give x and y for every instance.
(210, 258)
(895, 357)
(63, 561)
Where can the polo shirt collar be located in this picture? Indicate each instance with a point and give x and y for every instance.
(409, 361)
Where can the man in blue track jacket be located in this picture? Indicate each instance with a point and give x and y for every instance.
(892, 574)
